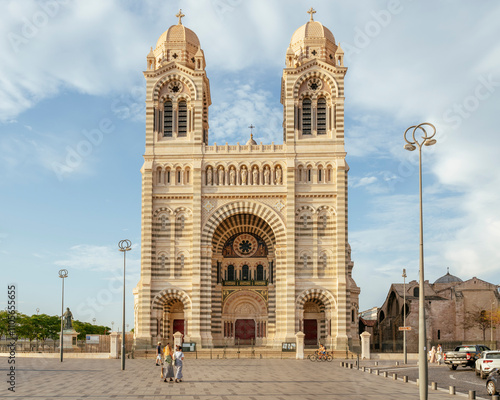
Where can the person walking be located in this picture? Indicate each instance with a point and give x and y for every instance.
(433, 355)
(439, 354)
(167, 370)
(178, 357)
(158, 354)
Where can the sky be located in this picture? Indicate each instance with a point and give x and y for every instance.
(72, 133)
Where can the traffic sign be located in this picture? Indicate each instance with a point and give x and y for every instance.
(405, 328)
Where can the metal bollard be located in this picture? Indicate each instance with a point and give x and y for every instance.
(397, 362)
(472, 394)
(405, 378)
(376, 362)
(350, 366)
(434, 385)
(417, 382)
(342, 363)
(377, 372)
(395, 377)
(369, 370)
(452, 389)
(385, 374)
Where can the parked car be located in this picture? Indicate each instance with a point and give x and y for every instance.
(487, 362)
(492, 382)
(464, 355)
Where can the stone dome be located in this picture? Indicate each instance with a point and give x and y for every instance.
(178, 34)
(311, 30)
(251, 141)
(311, 41)
(448, 278)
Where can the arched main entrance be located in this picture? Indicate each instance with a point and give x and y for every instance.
(243, 270)
(171, 313)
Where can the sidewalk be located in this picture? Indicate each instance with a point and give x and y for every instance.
(231, 379)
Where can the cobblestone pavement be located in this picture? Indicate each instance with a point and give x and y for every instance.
(232, 379)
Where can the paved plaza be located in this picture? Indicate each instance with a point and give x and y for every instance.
(231, 379)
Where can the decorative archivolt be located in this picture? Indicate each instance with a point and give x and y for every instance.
(263, 211)
(323, 295)
(174, 166)
(162, 210)
(326, 209)
(314, 96)
(303, 209)
(305, 164)
(163, 298)
(172, 77)
(183, 211)
(318, 74)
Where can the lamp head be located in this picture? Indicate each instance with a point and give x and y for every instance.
(430, 142)
(409, 147)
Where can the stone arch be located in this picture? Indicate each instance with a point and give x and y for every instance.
(166, 79)
(328, 209)
(325, 296)
(244, 207)
(317, 74)
(241, 297)
(302, 208)
(166, 295)
(162, 210)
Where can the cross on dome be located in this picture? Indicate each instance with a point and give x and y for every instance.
(251, 129)
(311, 12)
(180, 15)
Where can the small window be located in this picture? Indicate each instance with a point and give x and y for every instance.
(260, 272)
(439, 334)
(416, 292)
(167, 119)
(182, 120)
(179, 177)
(306, 117)
(352, 315)
(321, 122)
(244, 273)
(187, 176)
(230, 273)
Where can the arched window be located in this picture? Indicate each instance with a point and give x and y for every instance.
(320, 173)
(306, 117)
(230, 272)
(321, 123)
(182, 119)
(381, 316)
(168, 119)
(244, 273)
(416, 292)
(352, 315)
(260, 272)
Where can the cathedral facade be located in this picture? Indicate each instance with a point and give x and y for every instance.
(246, 243)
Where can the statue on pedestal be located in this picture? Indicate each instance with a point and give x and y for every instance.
(68, 316)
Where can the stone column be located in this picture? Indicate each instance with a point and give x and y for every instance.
(114, 351)
(365, 345)
(299, 355)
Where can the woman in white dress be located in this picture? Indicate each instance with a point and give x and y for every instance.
(178, 357)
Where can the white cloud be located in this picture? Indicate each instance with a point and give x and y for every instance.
(97, 258)
(244, 104)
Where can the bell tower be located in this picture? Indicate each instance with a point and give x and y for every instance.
(312, 89)
(178, 91)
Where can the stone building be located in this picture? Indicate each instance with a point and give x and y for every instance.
(452, 310)
(246, 243)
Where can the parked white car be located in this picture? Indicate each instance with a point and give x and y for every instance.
(488, 361)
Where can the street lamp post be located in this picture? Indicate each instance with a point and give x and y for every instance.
(112, 326)
(404, 316)
(124, 246)
(411, 145)
(93, 320)
(491, 322)
(63, 273)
